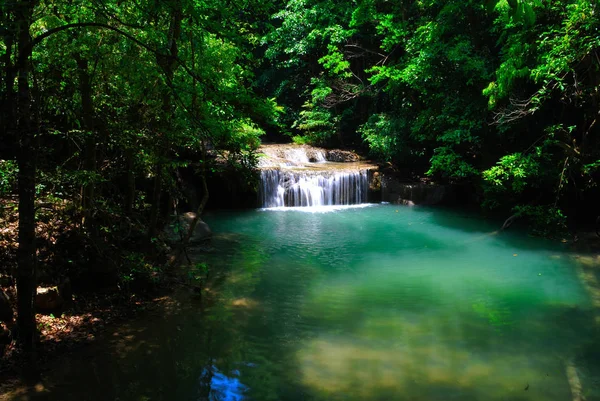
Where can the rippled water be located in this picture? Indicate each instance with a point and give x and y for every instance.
(364, 303)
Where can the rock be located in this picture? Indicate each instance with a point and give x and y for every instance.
(273, 155)
(375, 181)
(414, 193)
(404, 202)
(338, 155)
(48, 300)
(179, 227)
(6, 312)
(202, 232)
(290, 154)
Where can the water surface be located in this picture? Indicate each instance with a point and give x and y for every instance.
(362, 303)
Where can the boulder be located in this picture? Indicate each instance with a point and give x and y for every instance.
(403, 193)
(338, 155)
(48, 300)
(180, 226)
(404, 202)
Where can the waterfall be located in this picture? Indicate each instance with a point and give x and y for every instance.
(300, 156)
(312, 188)
(287, 156)
(293, 176)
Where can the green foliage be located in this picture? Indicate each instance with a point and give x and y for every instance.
(381, 135)
(501, 93)
(517, 171)
(198, 273)
(300, 140)
(138, 272)
(448, 163)
(317, 124)
(545, 220)
(592, 168)
(335, 62)
(8, 176)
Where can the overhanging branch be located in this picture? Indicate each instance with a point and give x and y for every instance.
(38, 39)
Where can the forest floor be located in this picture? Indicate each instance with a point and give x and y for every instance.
(73, 324)
(86, 322)
(73, 328)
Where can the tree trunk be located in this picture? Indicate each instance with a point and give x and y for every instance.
(154, 210)
(130, 191)
(26, 255)
(199, 211)
(89, 163)
(186, 239)
(168, 63)
(8, 148)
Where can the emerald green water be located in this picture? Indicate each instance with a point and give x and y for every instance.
(370, 303)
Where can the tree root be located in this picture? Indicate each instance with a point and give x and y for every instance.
(508, 222)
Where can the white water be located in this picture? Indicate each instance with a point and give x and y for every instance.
(300, 156)
(281, 156)
(317, 209)
(300, 176)
(281, 188)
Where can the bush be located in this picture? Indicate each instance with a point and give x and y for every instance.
(8, 176)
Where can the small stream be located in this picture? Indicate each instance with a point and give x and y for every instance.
(357, 303)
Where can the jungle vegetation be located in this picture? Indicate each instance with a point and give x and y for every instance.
(103, 102)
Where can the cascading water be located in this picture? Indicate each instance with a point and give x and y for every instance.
(302, 176)
(291, 156)
(313, 188)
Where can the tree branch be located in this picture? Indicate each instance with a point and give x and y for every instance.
(61, 28)
(38, 39)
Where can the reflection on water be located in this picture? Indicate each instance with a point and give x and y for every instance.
(215, 386)
(371, 303)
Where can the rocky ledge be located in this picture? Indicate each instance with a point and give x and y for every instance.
(278, 153)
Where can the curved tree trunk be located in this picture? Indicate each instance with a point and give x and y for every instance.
(89, 162)
(508, 222)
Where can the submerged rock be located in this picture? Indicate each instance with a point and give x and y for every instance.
(405, 202)
(181, 224)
